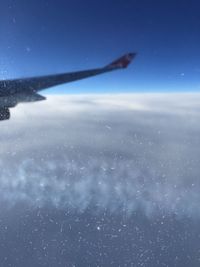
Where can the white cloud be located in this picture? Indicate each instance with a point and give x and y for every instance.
(119, 152)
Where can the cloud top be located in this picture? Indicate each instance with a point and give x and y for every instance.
(115, 152)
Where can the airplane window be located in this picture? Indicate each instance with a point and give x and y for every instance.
(99, 139)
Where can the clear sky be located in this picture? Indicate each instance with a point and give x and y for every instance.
(48, 36)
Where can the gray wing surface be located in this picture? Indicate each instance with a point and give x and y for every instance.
(13, 92)
(35, 84)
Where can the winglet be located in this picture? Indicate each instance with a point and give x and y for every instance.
(122, 62)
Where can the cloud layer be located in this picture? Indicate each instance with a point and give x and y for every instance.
(121, 153)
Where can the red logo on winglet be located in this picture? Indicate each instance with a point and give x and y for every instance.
(123, 62)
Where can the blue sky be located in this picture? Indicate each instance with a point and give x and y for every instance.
(56, 36)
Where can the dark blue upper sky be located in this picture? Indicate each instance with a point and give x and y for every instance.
(48, 36)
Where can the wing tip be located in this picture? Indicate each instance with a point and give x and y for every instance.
(122, 62)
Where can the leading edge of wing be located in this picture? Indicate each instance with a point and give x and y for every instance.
(34, 84)
(119, 63)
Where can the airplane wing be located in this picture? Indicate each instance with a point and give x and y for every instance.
(17, 91)
(35, 84)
